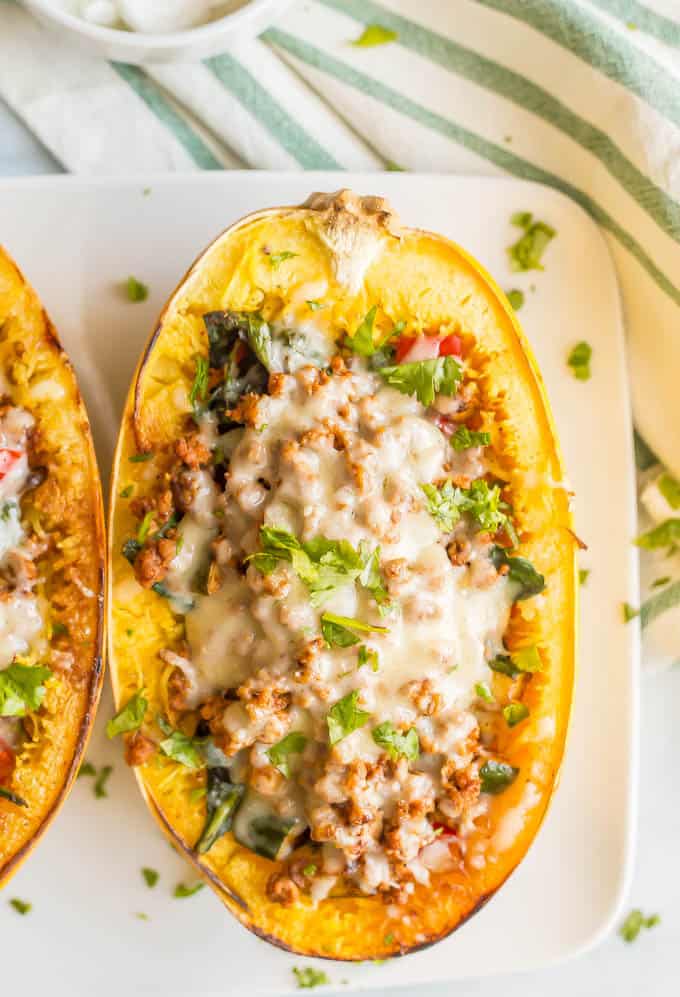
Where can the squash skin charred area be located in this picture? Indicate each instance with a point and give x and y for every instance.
(433, 284)
(64, 511)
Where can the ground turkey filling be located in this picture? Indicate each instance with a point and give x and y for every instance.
(332, 540)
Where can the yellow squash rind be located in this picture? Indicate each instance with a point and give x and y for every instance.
(68, 508)
(358, 248)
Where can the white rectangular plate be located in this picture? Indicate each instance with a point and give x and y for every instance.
(76, 241)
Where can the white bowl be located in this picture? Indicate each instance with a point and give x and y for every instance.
(129, 46)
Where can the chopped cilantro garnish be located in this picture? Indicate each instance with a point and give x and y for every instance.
(314, 306)
(127, 491)
(522, 219)
(130, 717)
(397, 744)
(141, 916)
(660, 582)
(22, 689)
(375, 34)
(151, 876)
(496, 776)
(181, 890)
(579, 360)
(516, 298)
(309, 977)
(180, 747)
(628, 612)
(482, 690)
(276, 259)
(634, 924)
(139, 458)
(644, 456)
(7, 509)
(87, 768)
(481, 501)
(310, 870)
(666, 534)
(443, 504)
(362, 340)
(101, 781)
(372, 580)
(524, 659)
(368, 656)
(291, 744)
(323, 565)
(583, 575)
(21, 906)
(345, 716)
(338, 631)
(424, 378)
(670, 489)
(527, 252)
(136, 291)
(527, 659)
(514, 713)
(464, 438)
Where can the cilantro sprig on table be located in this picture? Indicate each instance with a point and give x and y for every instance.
(666, 534)
(579, 360)
(527, 252)
(307, 977)
(635, 922)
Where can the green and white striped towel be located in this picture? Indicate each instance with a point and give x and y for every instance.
(582, 95)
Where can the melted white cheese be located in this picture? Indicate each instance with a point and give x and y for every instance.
(342, 457)
(21, 617)
(20, 623)
(442, 628)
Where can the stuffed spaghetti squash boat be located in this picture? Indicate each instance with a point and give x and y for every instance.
(51, 571)
(342, 605)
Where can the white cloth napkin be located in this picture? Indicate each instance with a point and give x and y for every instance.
(583, 95)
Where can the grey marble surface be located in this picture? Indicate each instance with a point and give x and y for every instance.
(649, 967)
